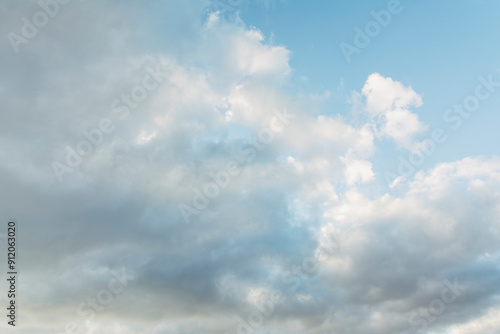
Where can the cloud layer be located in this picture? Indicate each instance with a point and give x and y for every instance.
(303, 234)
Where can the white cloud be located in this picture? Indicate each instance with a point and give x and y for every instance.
(441, 228)
(389, 103)
(357, 171)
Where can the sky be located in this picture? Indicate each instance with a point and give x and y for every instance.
(251, 166)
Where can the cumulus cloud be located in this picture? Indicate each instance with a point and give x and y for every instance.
(389, 103)
(298, 219)
(395, 252)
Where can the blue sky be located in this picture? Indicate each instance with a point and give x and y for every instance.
(438, 48)
(202, 166)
